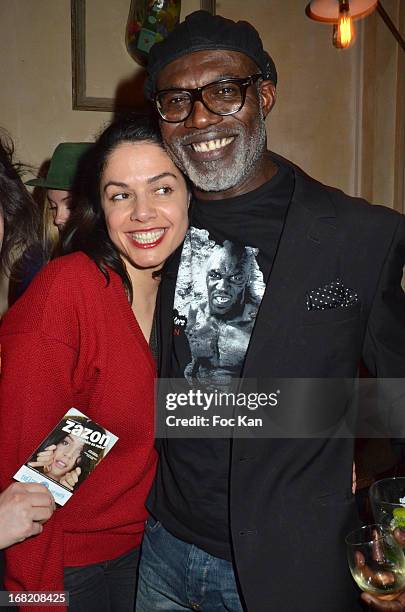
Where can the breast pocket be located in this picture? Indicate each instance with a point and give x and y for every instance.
(331, 340)
(331, 315)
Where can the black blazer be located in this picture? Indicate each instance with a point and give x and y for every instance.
(290, 499)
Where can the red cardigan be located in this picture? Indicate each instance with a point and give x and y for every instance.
(72, 340)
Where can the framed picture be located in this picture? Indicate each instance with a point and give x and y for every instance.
(104, 76)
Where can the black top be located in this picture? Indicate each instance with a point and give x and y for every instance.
(225, 262)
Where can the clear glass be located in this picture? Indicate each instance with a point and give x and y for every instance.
(387, 498)
(376, 560)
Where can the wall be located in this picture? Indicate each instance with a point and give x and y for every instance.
(382, 139)
(35, 72)
(313, 123)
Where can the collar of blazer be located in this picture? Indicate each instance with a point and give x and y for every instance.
(312, 196)
(309, 246)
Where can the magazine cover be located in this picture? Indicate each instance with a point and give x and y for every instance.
(68, 455)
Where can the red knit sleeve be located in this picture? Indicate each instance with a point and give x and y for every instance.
(35, 392)
(36, 389)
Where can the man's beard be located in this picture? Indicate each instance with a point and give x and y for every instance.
(215, 175)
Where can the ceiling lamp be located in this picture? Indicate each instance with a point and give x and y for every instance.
(341, 14)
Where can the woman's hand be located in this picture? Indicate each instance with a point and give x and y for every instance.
(70, 479)
(23, 509)
(44, 458)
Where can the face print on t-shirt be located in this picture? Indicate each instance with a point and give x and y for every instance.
(218, 293)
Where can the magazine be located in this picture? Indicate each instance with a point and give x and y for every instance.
(68, 455)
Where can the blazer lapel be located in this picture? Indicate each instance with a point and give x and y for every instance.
(165, 312)
(308, 240)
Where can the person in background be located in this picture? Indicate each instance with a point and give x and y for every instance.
(60, 179)
(60, 182)
(23, 507)
(20, 216)
(79, 337)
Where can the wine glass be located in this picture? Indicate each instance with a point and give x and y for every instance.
(376, 560)
(387, 498)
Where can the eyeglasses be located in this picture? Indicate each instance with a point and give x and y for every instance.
(223, 97)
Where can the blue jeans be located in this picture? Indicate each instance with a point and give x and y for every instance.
(109, 586)
(175, 576)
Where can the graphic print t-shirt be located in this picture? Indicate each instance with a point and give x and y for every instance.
(225, 263)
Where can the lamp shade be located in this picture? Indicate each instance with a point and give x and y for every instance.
(328, 10)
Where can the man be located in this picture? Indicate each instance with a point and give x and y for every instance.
(260, 524)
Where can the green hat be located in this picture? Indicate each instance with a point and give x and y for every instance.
(63, 166)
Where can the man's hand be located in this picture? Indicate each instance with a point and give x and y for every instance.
(70, 479)
(23, 509)
(389, 603)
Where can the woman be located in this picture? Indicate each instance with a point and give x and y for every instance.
(62, 176)
(60, 179)
(19, 216)
(79, 337)
(19, 213)
(23, 507)
(67, 458)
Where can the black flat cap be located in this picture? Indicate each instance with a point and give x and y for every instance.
(202, 31)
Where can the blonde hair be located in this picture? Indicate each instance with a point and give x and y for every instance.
(49, 233)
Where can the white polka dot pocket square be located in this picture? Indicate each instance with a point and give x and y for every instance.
(333, 295)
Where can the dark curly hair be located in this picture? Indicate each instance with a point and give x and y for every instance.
(19, 210)
(86, 229)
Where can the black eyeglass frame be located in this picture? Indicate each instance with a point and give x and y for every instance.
(196, 95)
